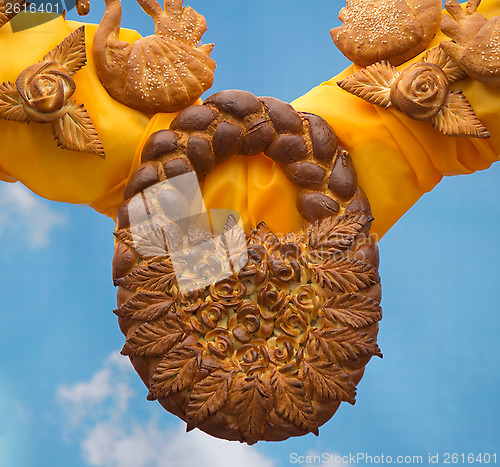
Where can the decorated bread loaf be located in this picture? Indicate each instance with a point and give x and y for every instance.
(272, 346)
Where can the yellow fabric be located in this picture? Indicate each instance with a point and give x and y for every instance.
(248, 185)
(397, 159)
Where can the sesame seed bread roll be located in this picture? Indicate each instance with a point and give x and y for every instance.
(392, 30)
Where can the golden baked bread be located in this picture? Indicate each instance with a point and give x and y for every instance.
(271, 348)
(165, 72)
(476, 45)
(391, 30)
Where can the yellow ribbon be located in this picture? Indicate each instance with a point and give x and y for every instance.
(397, 159)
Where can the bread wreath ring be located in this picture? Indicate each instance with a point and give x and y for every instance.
(271, 351)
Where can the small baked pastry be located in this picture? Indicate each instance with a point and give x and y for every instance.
(477, 41)
(421, 92)
(390, 30)
(165, 72)
(270, 346)
(8, 9)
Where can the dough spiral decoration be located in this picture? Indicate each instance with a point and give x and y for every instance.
(272, 350)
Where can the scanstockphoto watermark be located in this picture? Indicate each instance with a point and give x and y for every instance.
(22, 12)
(363, 458)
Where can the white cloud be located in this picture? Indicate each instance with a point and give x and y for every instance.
(107, 393)
(99, 411)
(93, 391)
(26, 215)
(147, 445)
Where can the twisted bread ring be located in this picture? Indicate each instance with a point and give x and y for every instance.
(271, 350)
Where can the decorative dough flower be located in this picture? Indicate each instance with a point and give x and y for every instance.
(190, 301)
(253, 357)
(229, 291)
(256, 270)
(42, 94)
(293, 321)
(420, 91)
(284, 270)
(247, 323)
(283, 351)
(219, 343)
(45, 88)
(211, 313)
(307, 299)
(272, 298)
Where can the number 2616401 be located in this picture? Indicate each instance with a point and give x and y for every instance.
(12, 8)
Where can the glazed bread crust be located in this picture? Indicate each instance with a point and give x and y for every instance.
(272, 350)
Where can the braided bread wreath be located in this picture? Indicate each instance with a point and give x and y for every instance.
(271, 351)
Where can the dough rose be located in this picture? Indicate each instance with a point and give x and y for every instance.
(45, 88)
(420, 91)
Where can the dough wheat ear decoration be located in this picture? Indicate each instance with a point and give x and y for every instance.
(421, 92)
(9, 9)
(161, 73)
(42, 94)
(477, 41)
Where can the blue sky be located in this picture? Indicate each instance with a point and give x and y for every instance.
(68, 399)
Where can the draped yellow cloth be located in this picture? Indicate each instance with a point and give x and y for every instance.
(397, 159)
(29, 152)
